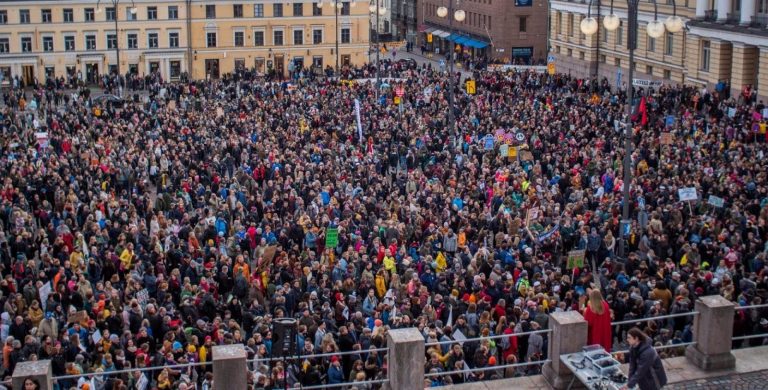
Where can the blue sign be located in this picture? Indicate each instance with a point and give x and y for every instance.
(523, 3)
(488, 142)
(670, 121)
(522, 51)
(550, 58)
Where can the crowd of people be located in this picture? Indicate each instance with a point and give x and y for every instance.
(139, 234)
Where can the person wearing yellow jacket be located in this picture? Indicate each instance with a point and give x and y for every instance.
(126, 258)
(389, 262)
(381, 283)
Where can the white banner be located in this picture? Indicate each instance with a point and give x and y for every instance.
(359, 124)
(646, 83)
(687, 194)
(517, 68)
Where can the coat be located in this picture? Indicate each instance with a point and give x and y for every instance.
(600, 331)
(645, 368)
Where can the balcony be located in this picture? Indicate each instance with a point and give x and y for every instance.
(733, 18)
(710, 15)
(759, 21)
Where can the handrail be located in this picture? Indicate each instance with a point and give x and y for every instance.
(128, 371)
(498, 336)
(317, 355)
(752, 336)
(346, 384)
(751, 306)
(636, 320)
(491, 368)
(665, 346)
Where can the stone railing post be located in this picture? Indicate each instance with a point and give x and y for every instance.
(406, 359)
(569, 335)
(229, 367)
(712, 332)
(40, 371)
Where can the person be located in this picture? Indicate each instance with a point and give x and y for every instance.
(598, 317)
(645, 368)
(31, 384)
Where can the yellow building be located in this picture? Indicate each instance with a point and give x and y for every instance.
(40, 38)
(724, 40)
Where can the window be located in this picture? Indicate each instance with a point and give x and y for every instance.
(651, 44)
(345, 8)
(175, 69)
(210, 39)
(237, 10)
(3, 17)
(258, 10)
(603, 59)
(69, 15)
(152, 41)
(258, 38)
(346, 35)
(90, 42)
(173, 39)
(667, 74)
(277, 37)
(620, 34)
(669, 46)
(133, 41)
(316, 11)
(47, 43)
(26, 44)
(5, 45)
(69, 43)
(317, 36)
(569, 27)
(239, 38)
(277, 10)
(605, 35)
(131, 15)
(90, 16)
(298, 37)
(649, 69)
(111, 41)
(210, 11)
(705, 49)
(298, 9)
(24, 16)
(581, 55)
(151, 13)
(173, 12)
(523, 24)
(110, 13)
(617, 61)
(46, 16)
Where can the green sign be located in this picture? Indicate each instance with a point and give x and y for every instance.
(576, 259)
(331, 237)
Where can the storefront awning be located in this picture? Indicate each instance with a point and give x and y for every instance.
(429, 30)
(476, 44)
(441, 33)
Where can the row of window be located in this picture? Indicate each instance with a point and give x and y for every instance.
(278, 37)
(90, 42)
(704, 58)
(89, 14)
(650, 44)
(132, 40)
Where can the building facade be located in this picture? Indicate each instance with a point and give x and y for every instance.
(725, 40)
(501, 30)
(404, 26)
(79, 38)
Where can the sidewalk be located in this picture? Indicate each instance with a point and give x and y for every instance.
(434, 60)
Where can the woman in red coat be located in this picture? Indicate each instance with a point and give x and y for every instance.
(598, 317)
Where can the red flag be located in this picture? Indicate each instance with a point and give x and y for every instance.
(643, 109)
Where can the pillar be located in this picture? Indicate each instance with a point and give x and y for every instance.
(406, 359)
(569, 335)
(701, 8)
(747, 12)
(712, 332)
(723, 9)
(744, 67)
(41, 371)
(762, 73)
(229, 368)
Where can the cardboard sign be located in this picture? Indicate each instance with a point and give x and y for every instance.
(219, 112)
(716, 201)
(512, 151)
(172, 105)
(488, 145)
(532, 215)
(332, 237)
(269, 253)
(526, 155)
(143, 297)
(80, 317)
(471, 89)
(666, 138)
(575, 259)
(687, 194)
(44, 292)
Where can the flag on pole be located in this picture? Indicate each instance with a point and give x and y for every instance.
(359, 123)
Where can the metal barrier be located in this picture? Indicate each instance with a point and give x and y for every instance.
(490, 368)
(666, 316)
(747, 307)
(499, 336)
(132, 370)
(318, 355)
(659, 347)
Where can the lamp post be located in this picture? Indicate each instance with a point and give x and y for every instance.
(459, 15)
(655, 29)
(377, 10)
(115, 5)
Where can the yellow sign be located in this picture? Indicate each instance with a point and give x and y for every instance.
(471, 87)
(551, 68)
(397, 99)
(429, 38)
(512, 151)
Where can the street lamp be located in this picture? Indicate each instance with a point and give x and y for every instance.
(459, 16)
(337, 7)
(655, 29)
(115, 5)
(374, 8)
